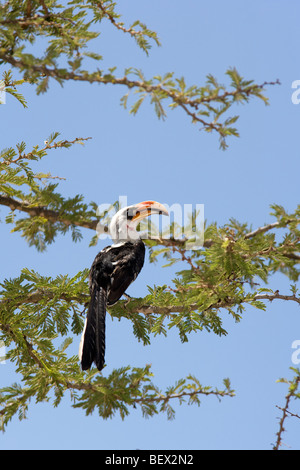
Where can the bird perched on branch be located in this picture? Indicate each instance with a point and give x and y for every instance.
(113, 270)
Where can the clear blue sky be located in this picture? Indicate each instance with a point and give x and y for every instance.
(261, 39)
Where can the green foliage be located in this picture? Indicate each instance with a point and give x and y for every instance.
(35, 194)
(40, 316)
(35, 312)
(65, 34)
(10, 86)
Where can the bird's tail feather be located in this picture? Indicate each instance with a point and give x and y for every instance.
(92, 344)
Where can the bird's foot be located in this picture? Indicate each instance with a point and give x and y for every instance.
(128, 297)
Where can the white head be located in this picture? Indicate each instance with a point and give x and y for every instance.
(123, 224)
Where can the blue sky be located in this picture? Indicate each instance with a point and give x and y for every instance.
(261, 39)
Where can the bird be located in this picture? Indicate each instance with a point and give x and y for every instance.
(114, 268)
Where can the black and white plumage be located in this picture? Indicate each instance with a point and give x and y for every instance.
(113, 270)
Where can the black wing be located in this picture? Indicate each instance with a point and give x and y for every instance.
(128, 260)
(112, 271)
(92, 347)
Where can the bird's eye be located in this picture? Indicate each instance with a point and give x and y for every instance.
(137, 213)
(129, 214)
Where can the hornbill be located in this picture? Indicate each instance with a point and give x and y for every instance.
(113, 270)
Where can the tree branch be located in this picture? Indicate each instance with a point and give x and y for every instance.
(55, 216)
(55, 145)
(120, 26)
(41, 211)
(38, 295)
(264, 229)
(292, 391)
(167, 397)
(156, 91)
(101, 387)
(295, 415)
(276, 295)
(135, 305)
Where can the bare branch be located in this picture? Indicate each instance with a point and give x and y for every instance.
(295, 415)
(285, 412)
(263, 229)
(276, 295)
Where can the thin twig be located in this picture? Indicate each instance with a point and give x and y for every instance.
(294, 415)
(55, 145)
(285, 413)
(118, 25)
(263, 229)
(276, 295)
(165, 398)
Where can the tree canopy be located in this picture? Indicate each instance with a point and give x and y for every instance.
(42, 41)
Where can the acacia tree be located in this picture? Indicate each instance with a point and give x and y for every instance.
(36, 310)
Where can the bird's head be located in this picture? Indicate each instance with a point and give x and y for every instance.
(124, 222)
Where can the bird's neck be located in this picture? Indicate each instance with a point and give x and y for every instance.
(126, 233)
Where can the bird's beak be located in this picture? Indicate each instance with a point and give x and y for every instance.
(143, 209)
